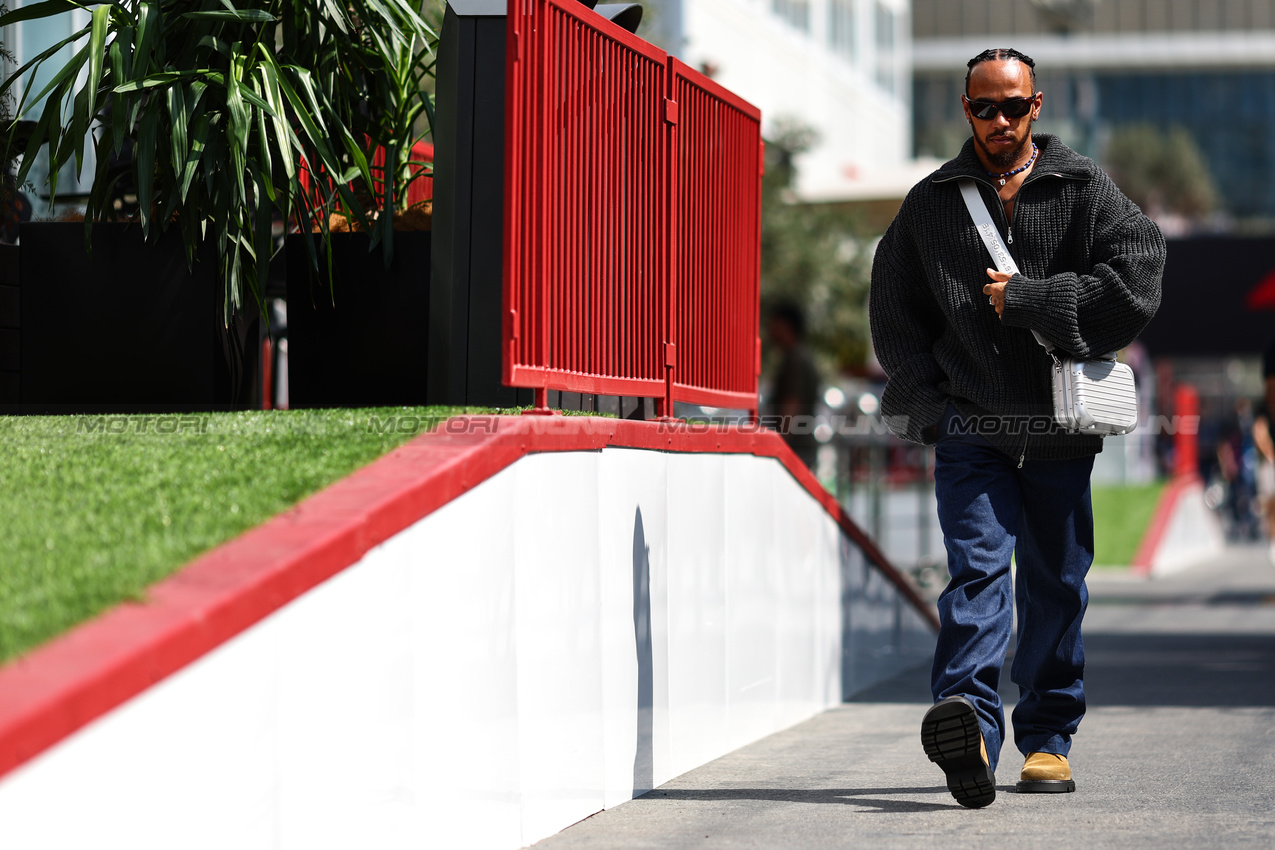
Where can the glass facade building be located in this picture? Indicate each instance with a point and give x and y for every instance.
(1208, 68)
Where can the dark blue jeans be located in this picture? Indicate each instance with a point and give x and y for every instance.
(1041, 515)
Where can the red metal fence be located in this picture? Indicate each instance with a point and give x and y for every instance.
(632, 217)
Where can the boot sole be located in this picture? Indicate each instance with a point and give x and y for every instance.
(1045, 786)
(951, 736)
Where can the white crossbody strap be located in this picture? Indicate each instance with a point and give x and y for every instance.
(991, 236)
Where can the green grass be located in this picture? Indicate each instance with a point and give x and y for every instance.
(98, 508)
(1121, 516)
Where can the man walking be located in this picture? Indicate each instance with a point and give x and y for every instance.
(967, 375)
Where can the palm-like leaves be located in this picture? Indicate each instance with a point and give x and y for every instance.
(227, 103)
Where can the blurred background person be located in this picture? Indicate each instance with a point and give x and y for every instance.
(1237, 465)
(795, 389)
(1265, 451)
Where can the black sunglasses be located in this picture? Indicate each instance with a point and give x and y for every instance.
(1015, 107)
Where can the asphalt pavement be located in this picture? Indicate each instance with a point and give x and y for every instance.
(1178, 747)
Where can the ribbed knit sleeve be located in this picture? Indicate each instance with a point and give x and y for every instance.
(905, 324)
(1105, 309)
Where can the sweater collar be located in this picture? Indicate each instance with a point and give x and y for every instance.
(1054, 158)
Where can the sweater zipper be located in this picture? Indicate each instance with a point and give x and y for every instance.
(1009, 225)
(1009, 230)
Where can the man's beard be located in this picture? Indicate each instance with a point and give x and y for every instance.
(1005, 159)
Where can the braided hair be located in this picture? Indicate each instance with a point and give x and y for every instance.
(1000, 54)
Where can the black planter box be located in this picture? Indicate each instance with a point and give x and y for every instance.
(10, 327)
(363, 342)
(127, 328)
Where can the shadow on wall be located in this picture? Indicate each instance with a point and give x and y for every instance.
(643, 764)
(881, 635)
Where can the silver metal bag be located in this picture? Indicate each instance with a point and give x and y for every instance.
(1095, 397)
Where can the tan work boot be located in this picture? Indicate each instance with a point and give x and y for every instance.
(953, 740)
(1046, 773)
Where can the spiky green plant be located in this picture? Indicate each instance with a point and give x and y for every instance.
(227, 103)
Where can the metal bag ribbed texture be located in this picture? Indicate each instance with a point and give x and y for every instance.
(1094, 396)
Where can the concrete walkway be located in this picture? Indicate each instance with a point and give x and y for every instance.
(1178, 748)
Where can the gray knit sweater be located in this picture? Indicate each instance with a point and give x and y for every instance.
(1090, 266)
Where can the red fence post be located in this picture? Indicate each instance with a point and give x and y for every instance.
(672, 154)
(1186, 402)
(756, 261)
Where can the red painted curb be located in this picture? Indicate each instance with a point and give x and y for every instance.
(1160, 522)
(64, 685)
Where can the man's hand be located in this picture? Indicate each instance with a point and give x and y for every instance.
(996, 290)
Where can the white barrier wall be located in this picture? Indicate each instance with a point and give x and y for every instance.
(575, 630)
(1192, 533)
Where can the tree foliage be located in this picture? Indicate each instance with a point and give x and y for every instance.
(1161, 171)
(813, 255)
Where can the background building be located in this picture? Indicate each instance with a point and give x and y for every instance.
(1205, 67)
(841, 67)
(25, 41)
